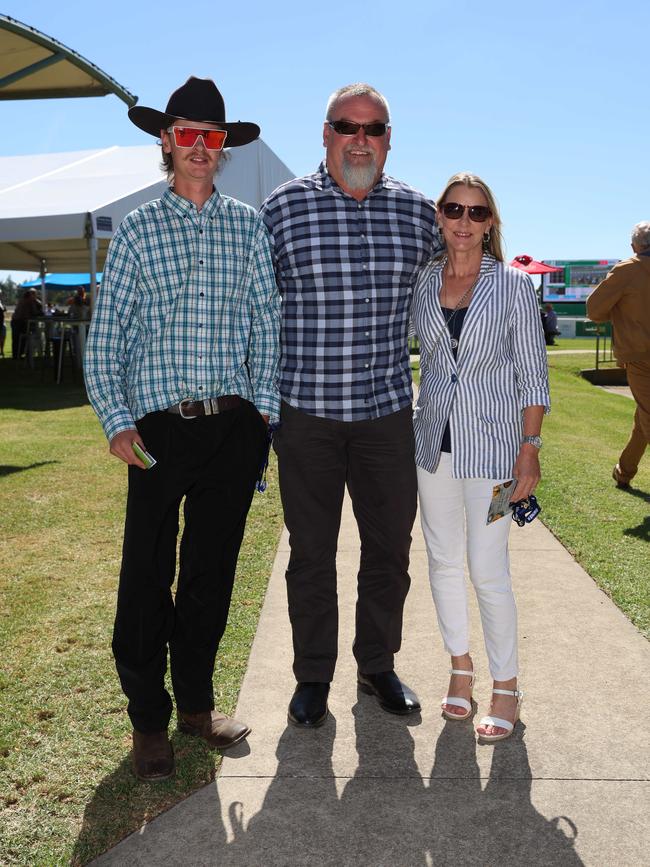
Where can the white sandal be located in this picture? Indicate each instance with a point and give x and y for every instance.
(457, 700)
(502, 723)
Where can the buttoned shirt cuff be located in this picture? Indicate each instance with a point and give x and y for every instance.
(117, 422)
(268, 403)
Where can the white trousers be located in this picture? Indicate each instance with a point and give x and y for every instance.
(453, 514)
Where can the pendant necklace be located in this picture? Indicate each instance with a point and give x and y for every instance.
(445, 327)
(452, 315)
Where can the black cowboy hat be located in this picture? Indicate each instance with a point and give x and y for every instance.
(198, 100)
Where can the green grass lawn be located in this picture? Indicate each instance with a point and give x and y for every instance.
(606, 529)
(581, 343)
(66, 788)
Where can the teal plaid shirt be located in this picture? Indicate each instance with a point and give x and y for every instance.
(188, 308)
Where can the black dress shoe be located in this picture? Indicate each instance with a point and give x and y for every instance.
(392, 695)
(308, 707)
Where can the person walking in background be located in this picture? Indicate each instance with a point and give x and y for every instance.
(549, 322)
(623, 298)
(483, 394)
(182, 360)
(79, 305)
(347, 243)
(28, 307)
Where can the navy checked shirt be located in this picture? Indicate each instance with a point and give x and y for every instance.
(346, 271)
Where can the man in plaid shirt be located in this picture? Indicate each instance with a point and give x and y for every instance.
(182, 361)
(347, 243)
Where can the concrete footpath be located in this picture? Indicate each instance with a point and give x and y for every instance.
(570, 787)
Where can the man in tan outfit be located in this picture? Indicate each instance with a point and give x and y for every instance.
(624, 299)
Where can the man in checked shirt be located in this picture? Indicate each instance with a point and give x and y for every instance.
(347, 242)
(182, 361)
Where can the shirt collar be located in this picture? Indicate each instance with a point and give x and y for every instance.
(327, 182)
(488, 264)
(183, 207)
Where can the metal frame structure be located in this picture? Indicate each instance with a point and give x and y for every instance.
(28, 59)
(36, 66)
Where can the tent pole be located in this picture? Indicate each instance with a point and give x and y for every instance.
(93, 273)
(92, 244)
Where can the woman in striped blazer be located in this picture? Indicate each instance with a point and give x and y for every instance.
(483, 394)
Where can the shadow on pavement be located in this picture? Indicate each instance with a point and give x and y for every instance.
(386, 814)
(301, 817)
(497, 824)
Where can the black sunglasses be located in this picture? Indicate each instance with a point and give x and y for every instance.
(477, 213)
(348, 127)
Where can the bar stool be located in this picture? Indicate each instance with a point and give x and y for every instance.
(30, 343)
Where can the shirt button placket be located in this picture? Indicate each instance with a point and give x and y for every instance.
(365, 323)
(201, 306)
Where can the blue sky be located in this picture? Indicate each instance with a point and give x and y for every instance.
(544, 101)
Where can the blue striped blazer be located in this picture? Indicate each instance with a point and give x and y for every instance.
(500, 369)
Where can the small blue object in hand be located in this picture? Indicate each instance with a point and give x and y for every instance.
(525, 511)
(261, 483)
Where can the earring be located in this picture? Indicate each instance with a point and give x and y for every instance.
(486, 239)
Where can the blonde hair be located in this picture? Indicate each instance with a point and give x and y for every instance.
(495, 245)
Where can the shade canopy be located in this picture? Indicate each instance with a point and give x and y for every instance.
(35, 66)
(532, 266)
(52, 205)
(62, 281)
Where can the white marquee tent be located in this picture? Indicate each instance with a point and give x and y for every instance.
(58, 212)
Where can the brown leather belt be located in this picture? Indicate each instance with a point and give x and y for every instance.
(210, 406)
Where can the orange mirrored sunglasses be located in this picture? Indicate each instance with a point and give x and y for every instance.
(186, 137)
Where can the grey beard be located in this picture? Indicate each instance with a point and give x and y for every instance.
(359, 177)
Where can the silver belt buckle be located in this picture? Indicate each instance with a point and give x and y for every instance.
(180, 407)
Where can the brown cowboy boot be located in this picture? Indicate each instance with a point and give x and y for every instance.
(217, 730)
(153, 756)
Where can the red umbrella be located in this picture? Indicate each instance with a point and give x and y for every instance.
(531, 266)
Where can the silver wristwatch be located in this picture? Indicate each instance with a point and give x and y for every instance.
(533, 441)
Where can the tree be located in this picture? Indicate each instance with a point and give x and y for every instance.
(10, 291)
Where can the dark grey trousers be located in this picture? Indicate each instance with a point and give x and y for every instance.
(317, 458)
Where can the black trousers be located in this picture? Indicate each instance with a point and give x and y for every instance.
(317, 457)
(18, 327)
(213, 462)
